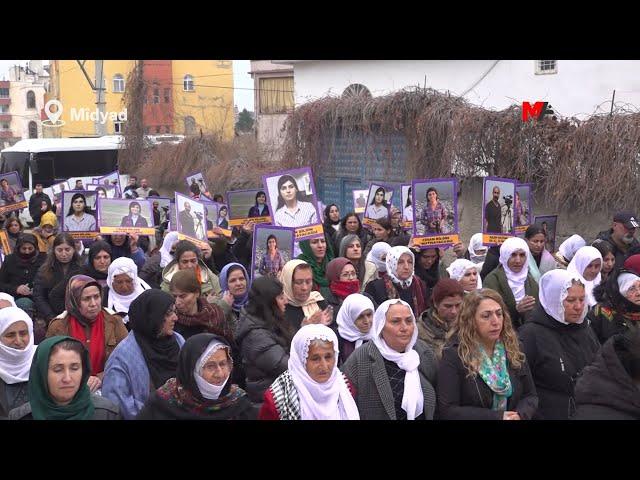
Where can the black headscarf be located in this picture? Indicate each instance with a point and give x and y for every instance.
(95, 249)
(146, 317)
(429, 276)
(327, 219)
(22, 239)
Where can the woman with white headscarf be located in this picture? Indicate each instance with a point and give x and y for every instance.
(587, 262)
(568, 249)
(312, 388)
(202, 388)
(512, 280)
(123, 286)
(477, 251)
(354, 320)
(400, 282)
(7, 300)
(151, 272)
(394, 373)
(378, 256)
(465, 272)
(558, 343)
(16, 352)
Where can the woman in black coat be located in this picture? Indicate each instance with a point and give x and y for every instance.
(202, 388)
(558, 343)
(473, 386)
(264, 336)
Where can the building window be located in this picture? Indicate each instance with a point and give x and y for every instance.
(33, 130)
(156, 95)
(5, 127)
(276, 94)
(189, 126)
(118, 127)
(4, 108)
(118, 83)
(356, 90)
(167, 95)
(4, 93)
(188, 83)
(158, 128)
(31, 101)
(546, 67)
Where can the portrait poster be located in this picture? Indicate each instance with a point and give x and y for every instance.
(80, 216)
(125, 216)
(79, 183)
(523, 208)
(248, 205)
(549, 225)
(111, 179)
(197, 185)
(291, 197)
(191, 219)
(378, 203)
(435, 214)
(11, 193)
(407, 206)
(272, 248)
(360, 200)
(103, 191)
(497, 210)
(164, 207)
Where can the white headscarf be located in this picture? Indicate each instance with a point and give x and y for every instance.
(209, 390)
(120, 303)
(413, 398)
(165, 255)
(581, 260)
(570, 246)
(349, 311)
(15, 364)
(625, 282)
(8, 298)
(393, 255)
(330, 400)
(459, 267)
(474, 244)
(515, 280)
(375, 255)
(554, 287)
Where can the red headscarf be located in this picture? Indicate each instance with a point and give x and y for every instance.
(341, 289)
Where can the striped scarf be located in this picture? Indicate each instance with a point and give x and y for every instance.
(285, 397)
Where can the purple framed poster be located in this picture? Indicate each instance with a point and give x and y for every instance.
(104, 191)
(549, 225)
(191, 219)
(111, 179)
(11, 193)
(293, 202)
(272, 248)
(80, 214)
(497, 210)
(378, 203)
(435, 214)
(407, 206)
(248, 205)
(161, 209)
(126, 217)
(197, 186)
(523, 207)
(360, 201)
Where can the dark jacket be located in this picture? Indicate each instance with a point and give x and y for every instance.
(12, 396)
(605, 390)
(497, 280)
(265, 354)
(104, 410)
(619, 254)
(151, 272)
(16, 272)
(377, 290)
(556, 353)
(432, 331)
(294, 315)
(48, 295)
(491, 262)
(606, 322)
(242, 249)
(461, 397)
(35, 202)
(366, 370)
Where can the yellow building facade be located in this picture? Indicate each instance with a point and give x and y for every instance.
(202, 96)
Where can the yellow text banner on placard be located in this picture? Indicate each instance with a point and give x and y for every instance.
(521, 229)
(83, 235)
(4, 242)
(407, 225)
(238, 222)
(436, 241)
(494, 238)
(309, 232)
(368, 221)
(225, 232)
(14, 206)
(195, 241)
(128, 230)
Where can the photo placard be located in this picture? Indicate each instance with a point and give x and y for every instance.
(272, 248)
(497, 210)
(435, 214)
(80, 216)
(123, 216)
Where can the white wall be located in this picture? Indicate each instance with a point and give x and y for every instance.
(579, 87)
(21, 116)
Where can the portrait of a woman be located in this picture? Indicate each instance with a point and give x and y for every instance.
(260, 209)
(79, 217)
(434, 215)
(292, 210)
(273, 261)
(378, 208)
(134, 219)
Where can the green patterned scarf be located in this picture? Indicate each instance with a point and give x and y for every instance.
(495, 374)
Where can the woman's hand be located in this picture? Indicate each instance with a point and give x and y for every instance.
(228, 298)
(526, 304)
(315, 318)
(206, 251)
(94, 384)
(459, 249)
(23, 290)
(248, 226)
(133, 242)
(511, 416)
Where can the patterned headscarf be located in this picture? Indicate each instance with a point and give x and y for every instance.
(393, 256)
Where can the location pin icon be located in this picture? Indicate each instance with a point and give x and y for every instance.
(53, 116)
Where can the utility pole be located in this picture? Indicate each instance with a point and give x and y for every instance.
(100, 128)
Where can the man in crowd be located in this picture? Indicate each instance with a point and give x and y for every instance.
(143, 191)
(35, 204)
(621, 235)
(493, 213)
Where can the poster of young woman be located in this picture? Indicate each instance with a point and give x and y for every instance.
(11, 193)
(272, 248)
(522, 208)
(103, 191)
(292, 200)
(435, 213)
(407, 206)
(497, 210)
(79, 214)
(548, 224)
(378, 203)
(248, 205)
(126, 216)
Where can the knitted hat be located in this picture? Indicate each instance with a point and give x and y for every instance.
(446, 287)
(49, 218)
(632, 263)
